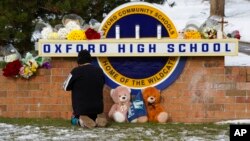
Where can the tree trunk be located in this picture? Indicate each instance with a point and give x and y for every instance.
(217, 7)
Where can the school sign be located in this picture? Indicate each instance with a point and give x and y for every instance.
(140, 48)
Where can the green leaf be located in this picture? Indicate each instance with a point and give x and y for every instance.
(22, 17)
(20, 35)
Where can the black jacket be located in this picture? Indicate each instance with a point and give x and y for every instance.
(86, 83)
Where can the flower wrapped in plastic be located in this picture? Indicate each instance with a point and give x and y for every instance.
(53, 36)
(26, 72)
(73, 18)
(72, 25)
(209, 33)
(26, 67)
(72, 22)
(12, 69)
(63, 32)
(191, 30)
(94, 24)
(92, 34)
(234, 34)
(43, 62)
(10, 53)
(46, 31)
(72, 28)
(27, 58)
(76, 35)
(192, 34)
(30, 66)
(58, 27)
(46, 65)
(36, 35)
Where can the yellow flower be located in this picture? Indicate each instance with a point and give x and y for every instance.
(27, 71)
(76, 35)
(33, 68)
(53, 36)
(192, 34)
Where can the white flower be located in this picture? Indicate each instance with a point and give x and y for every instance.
(94, 24)
(63, 32)
(11, 57)
(72, 25)
(53, 36)
(209, 33)
(45, 32)
(36, 35)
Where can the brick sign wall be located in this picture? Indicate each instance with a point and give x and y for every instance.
(206, 91)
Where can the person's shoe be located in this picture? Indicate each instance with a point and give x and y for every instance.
(101, 120)
(85, 121)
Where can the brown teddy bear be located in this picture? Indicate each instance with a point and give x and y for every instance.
(156, 113)
(121, 98)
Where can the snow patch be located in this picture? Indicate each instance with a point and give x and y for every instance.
(23, 133)
(237, 13)
(241, 121)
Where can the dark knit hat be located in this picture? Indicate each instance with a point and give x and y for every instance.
(83, 57)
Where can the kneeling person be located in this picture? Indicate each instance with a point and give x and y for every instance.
(86, 83)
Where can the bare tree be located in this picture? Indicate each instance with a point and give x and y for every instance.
(217, 7)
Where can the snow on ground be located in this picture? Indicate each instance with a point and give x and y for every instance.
(23, 133)
(237, 13)
(240, 60)
(241, 121)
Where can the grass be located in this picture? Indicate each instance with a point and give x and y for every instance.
(66, 123)
(146, 131)
(37, 122)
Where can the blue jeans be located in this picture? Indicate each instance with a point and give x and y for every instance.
(75, 120)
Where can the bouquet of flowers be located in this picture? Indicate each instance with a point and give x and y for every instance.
(10, 53)
(12, 69)
(72, 28)
(209, 33)
(192, 34)
(25, 67)
(193, 30)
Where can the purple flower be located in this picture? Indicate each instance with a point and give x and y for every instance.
(46, 65)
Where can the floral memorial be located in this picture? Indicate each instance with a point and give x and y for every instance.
(72, 28)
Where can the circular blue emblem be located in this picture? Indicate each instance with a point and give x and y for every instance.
(140, 72)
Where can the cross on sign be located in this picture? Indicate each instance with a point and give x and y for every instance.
(222, 22)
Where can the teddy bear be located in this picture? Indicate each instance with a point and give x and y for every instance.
(121, 98)
(155, 110)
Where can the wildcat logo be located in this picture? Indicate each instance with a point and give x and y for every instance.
(139, 72)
